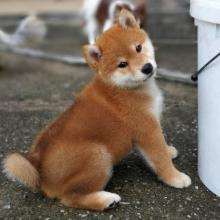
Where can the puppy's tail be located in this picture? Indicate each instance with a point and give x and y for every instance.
(18, 167)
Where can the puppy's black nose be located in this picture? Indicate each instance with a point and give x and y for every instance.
(147, 69)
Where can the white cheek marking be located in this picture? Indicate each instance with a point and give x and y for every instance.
(119, 79)
(128, 80)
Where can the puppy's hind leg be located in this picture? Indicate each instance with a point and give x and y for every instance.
(99, 201)
(85, 189)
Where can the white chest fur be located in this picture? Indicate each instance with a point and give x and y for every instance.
(154, 92)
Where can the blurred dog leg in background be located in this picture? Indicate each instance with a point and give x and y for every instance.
(99, 15)
(30, 32)
(90, 23)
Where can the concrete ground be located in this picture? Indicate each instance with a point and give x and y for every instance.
(37, 91)
(34, 92)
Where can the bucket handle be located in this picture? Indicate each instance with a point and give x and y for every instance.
(194, 77)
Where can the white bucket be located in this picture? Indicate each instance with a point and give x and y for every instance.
(207, 18)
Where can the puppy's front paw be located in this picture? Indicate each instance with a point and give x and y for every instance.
(173, 152)
(179, 180)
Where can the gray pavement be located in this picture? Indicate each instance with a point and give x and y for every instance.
(33, 92)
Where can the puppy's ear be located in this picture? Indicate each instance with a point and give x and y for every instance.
(92, 55)
(127, 20)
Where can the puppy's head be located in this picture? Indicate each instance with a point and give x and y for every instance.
(123, 56)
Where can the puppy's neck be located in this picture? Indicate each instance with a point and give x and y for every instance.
(143, 90)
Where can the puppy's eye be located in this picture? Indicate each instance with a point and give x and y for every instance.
(123, 64)
(139, 48)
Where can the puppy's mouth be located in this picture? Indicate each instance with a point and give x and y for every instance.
(144, 77)
(149, 76)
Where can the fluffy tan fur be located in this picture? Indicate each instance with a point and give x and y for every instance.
(19, 168)
(73, 157)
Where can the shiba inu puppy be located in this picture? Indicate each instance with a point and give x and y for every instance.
(73, 158)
